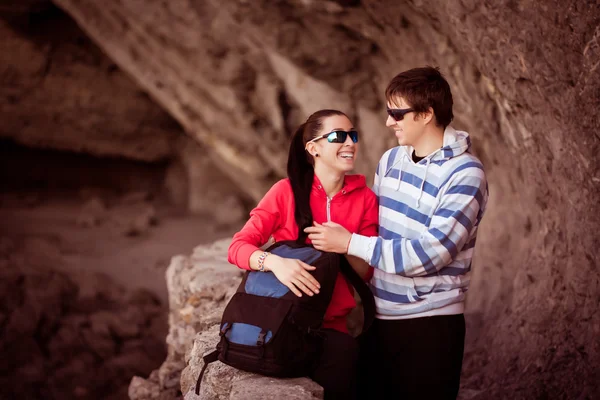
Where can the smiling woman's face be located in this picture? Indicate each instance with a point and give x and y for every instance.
(339, 157)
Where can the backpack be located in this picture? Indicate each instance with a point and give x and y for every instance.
(267, 329)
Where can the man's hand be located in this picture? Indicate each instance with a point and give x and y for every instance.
(330, 237)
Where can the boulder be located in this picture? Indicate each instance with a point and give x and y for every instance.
(200, 285)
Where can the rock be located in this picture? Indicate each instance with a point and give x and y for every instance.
(208, 194)
(230, 210)
(32, 200)
(204, 281)
(142, 222)
(101, 323)
(169, 374)
(129, 323)
(133, 219)
(142, 389)
(221, 381)
(67, 341)
(43, 295)
(81, 392)
(199, 287)
(103, 346)
(6, 246)
(149, 389)
(332, 7)
(124, 325)
(262, 387)
(83, 83)
(41, 252)
(51, 344)
(203, 343)
(135, 198)
(92, 213)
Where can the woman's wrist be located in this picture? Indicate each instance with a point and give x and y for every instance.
(270, 262)
(261, 260)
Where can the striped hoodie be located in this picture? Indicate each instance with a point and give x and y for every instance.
(429, 213)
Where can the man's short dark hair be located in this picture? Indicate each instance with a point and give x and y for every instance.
(422, 88)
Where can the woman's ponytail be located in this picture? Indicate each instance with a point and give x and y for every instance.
(301, 174)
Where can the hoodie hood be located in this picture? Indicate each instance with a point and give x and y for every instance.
(455, 143)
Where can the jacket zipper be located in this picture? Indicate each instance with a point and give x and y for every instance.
(328, 209)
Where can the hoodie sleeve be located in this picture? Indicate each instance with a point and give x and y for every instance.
(454, 222)
(377, 180)
(265, 219)
(369, 225)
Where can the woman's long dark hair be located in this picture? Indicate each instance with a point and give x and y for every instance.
(300, 168)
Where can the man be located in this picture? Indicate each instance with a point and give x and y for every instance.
(432, 195)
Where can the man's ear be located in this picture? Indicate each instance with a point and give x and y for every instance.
(428, 116)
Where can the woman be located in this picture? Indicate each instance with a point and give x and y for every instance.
(318, 190)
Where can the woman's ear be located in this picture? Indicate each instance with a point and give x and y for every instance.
(311, 148)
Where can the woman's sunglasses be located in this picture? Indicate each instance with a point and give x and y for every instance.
(398, 113)
(337, 137)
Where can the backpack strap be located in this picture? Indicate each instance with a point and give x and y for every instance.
(208, 359)
(366, 297)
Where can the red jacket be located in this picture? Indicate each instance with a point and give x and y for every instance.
(354, 207)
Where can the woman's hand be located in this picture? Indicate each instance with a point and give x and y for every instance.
(330, 237)
(293, 274)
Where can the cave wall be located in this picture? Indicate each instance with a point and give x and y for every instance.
(238, 77)
(59, 91)
(61, 96)
(62, 339)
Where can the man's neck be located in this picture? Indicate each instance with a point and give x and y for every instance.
(332, 182)
(431, 140)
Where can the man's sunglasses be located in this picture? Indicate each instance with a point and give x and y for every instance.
(398, 113)
(337, 137)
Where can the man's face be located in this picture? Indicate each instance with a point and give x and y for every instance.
(409, 129)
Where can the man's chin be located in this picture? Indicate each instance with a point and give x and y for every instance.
(400, 139)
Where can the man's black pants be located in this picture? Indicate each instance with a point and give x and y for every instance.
(419, 358)
(337, 369)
